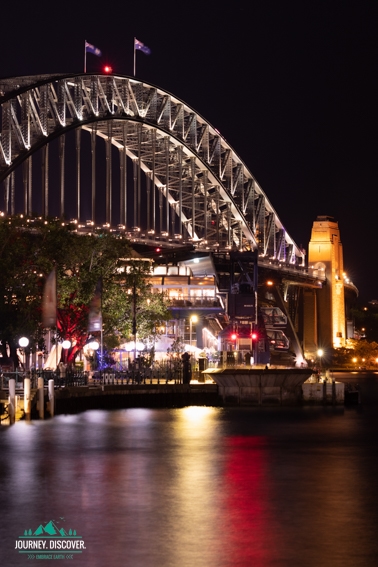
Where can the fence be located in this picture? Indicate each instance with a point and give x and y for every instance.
(69, 378)
(160, 372)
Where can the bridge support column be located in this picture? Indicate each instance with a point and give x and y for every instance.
(45, 181)
(78, 150)
(30, 185)
(123, 179)
(153, 159)
(12, 194)
(167, 183)
(326, 253)
(93, 171)
(62, 141)
(25, 179)
(193, 172)
(139, 170)
(310, 323)
(6, 194)
(180, 189)
(109, 174)
(135, 180)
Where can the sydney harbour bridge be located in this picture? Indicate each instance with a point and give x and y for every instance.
(116, 152)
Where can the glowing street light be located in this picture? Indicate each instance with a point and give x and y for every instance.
(319, 354)
(23, 343)
(94, 345)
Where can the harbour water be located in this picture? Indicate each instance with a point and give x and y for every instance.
(198, 486)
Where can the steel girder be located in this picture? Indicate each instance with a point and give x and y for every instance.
(205, 192)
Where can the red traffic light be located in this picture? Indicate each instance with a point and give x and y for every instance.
(234, 336)
(254, 336)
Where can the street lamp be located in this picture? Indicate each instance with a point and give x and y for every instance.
(192, 319)
(66, 344)
(94, 345)
(320, 353)
(23, 343)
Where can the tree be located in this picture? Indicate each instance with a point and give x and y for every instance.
(366, 321)
(31, 248)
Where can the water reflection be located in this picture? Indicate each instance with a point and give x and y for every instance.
(198, 487)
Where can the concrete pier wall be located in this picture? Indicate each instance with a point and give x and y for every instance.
(248, 387)
(323, 392)
(76, 399)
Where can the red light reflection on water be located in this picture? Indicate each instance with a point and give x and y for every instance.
(248, 506)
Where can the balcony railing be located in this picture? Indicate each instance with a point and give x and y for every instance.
(197, 302)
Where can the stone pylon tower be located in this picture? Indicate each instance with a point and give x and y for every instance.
(325, 308)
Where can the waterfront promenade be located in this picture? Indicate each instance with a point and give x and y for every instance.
(79, 392)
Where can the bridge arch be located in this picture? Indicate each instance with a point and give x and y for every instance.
(194, 187)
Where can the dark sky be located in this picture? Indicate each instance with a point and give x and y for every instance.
(291, 85)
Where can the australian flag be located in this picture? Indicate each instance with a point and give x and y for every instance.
(89, 48)
(139, 45)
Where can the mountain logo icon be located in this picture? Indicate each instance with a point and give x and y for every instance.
(50, 529)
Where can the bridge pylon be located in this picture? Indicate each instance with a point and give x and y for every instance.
(325, 321)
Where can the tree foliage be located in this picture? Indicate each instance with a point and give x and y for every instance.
(360, 353)
(31, 248)
(366, 322)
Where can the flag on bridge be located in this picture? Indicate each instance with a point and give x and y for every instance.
(141, 47)
(89, 48)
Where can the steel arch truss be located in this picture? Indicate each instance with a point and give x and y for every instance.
(204, 192)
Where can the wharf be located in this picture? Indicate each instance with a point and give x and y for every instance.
(220, 387)
(76, 399)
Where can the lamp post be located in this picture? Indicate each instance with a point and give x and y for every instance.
(66, 344)
(23, 343)
(320, 353)
(93, 347)
(63, 366)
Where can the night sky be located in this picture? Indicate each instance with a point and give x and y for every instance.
(291, 85)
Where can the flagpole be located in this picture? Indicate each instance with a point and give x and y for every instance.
(85, 56)
(134, 58)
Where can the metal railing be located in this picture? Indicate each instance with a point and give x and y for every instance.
(158, 373)
(68, 378)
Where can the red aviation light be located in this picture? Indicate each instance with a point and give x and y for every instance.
(108, 69)
(234, 336)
